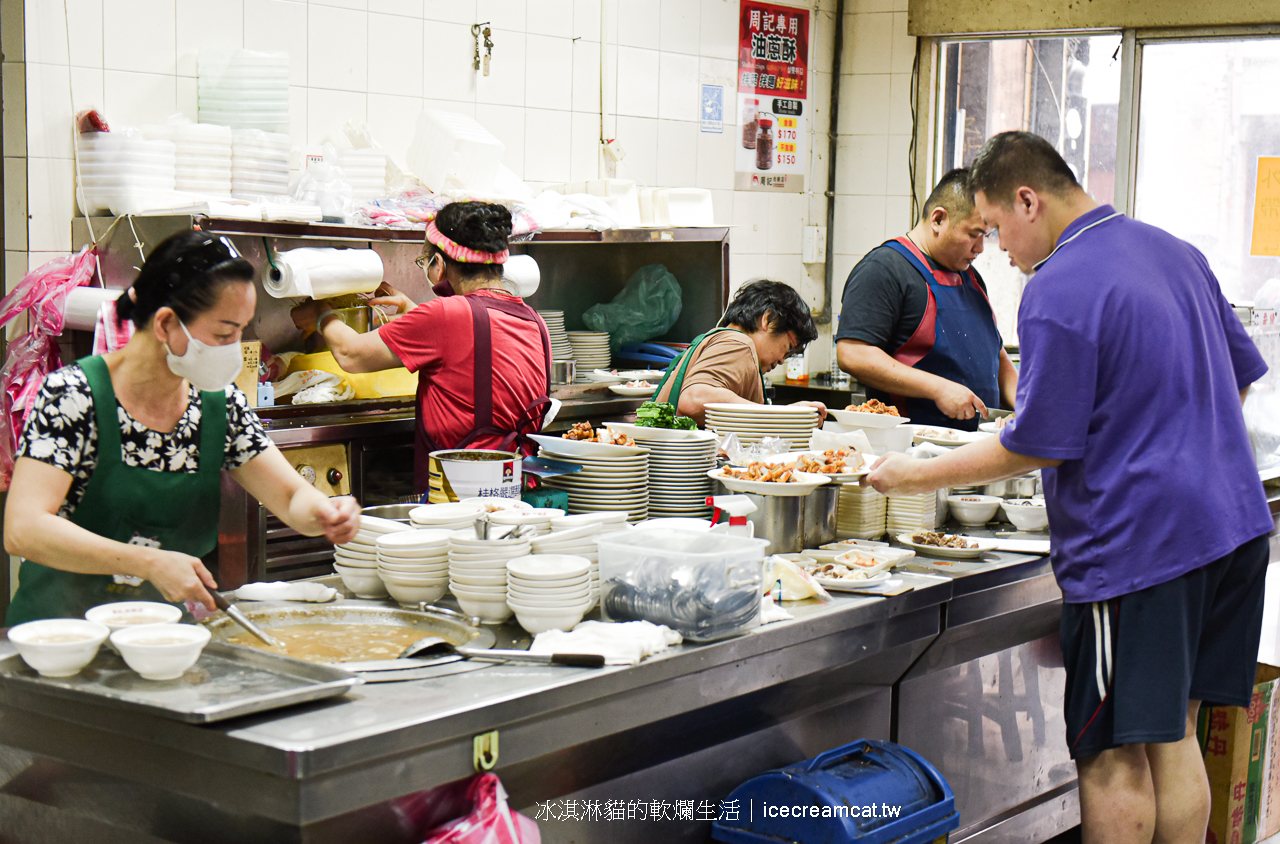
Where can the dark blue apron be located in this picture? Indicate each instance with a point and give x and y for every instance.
(957, 339)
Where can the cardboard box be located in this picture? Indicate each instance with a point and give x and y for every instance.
(247, 380)
(1239, 749)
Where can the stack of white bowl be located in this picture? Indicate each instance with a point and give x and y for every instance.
(536, 521)
(577, 535)
(244, 89)
(678, 482)
(861, 512)
(414, 564)
(478, 573)
(590, 349)
(259, 163)
(452, 516)
(549, 591)
(561, 348)
(357, 561)
(121, 173)
(754, 422)
(910, 513)
(366, 171)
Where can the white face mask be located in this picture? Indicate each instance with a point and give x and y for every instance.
(209, 368)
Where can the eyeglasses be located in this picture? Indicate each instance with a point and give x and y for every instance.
(792, 343)
(423, 260)
(208, 256)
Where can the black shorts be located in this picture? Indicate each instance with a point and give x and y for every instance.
(1134, 662)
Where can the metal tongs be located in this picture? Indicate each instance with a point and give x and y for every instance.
(482, 529)
(238, 616)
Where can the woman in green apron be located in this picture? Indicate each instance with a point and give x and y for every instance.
(766, 322)
(115, 491)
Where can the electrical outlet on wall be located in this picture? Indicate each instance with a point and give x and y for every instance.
(814, 246)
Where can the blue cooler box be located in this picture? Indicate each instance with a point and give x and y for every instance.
(871, 792)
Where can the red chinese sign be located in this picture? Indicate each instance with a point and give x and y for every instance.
(773, 50)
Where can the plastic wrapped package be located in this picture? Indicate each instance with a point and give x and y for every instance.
(647, 307)
(1262, 418)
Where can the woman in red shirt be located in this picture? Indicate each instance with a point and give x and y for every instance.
(483, 356)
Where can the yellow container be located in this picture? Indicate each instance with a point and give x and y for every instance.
(368, 385)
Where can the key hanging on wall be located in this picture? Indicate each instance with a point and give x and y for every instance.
(488, 49)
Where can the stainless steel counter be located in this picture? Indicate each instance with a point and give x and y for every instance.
(688, 725)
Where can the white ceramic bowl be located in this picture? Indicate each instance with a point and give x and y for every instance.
(441, 569)
(58, 647)
(537, 620)
(524, 600)
(1027, 513)
(490, 580)
(404, 593)
(973, 510)
(161, 651)
(492, 609)
(364, 582)
(411, 578)
(134, 614)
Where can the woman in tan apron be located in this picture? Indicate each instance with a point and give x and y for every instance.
(115, 493)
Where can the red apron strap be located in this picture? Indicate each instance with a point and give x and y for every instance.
(521, 310)
(482, 362)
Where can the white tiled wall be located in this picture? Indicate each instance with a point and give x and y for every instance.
(382, 61)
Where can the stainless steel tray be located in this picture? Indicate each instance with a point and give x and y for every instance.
(226, 682)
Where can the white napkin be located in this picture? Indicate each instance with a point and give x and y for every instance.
(307, 590)
(771, 612)
(821, 440)
(620, 643)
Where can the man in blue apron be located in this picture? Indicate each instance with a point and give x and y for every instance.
(916, 327)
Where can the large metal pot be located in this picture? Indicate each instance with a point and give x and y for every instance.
(358, 318)
(453, 628)
(793, 523)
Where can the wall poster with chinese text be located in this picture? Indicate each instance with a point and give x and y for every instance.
(773, 90)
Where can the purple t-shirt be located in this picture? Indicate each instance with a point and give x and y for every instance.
(1132, 366)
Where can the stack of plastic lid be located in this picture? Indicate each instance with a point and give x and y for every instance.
(259, 163)
(244, 89)
(121, 173)
(861, 512)
(909, 513)
(203, 158)
(366, 171)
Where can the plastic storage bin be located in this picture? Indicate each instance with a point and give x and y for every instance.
(451, 150)
(705, 587)
(869, 792)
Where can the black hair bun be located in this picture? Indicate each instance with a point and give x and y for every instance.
(483, 226)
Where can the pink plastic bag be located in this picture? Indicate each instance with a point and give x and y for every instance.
(43, 292)
(480, 814)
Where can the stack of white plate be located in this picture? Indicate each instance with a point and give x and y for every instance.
(366, 171)
(909, 513)
(549, 591)
(414, 564)
(590, 349)
(121, 173)
(561, 348)
(678, 466)
(613, 477)
(478, 573)
(244, 89)
(754, 422)
(357, 561)
(861, 512)
(452, 516)
(537, 519)
(259, 163)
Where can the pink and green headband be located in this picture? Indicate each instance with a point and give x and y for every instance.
(465, 254)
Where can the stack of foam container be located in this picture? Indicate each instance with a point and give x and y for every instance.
(259, 164)
(122, 173)
(244, 89)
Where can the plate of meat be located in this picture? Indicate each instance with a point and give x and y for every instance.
(870, 414)
(947, 545)
(768, 479)
(584, 441)
(840, 464)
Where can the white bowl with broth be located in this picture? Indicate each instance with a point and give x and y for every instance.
(123, 614)
(58, 647)
(161, 651)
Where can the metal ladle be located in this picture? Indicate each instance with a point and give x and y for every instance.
(434, 645)
(238, 616)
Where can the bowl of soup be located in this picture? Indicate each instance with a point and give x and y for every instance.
(122, 614)
(160, 651)
(58, 647)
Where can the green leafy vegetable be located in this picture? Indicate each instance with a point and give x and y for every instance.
(661, 414)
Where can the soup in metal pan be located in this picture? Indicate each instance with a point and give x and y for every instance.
(336, 642)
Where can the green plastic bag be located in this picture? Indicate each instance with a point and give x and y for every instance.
(646, 308)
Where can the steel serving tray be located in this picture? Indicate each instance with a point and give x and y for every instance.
(226, 682)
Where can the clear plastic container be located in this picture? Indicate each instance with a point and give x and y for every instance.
(451, 151)
(704, 586)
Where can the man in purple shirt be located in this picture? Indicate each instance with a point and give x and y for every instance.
(1133, 371)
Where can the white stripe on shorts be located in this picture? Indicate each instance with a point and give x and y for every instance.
(1102, 646)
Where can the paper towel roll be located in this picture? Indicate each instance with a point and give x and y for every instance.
(83, 304)
(522, 271)
(318, 273)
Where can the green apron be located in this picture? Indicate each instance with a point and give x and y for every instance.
(176, 510)
(680, 364)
